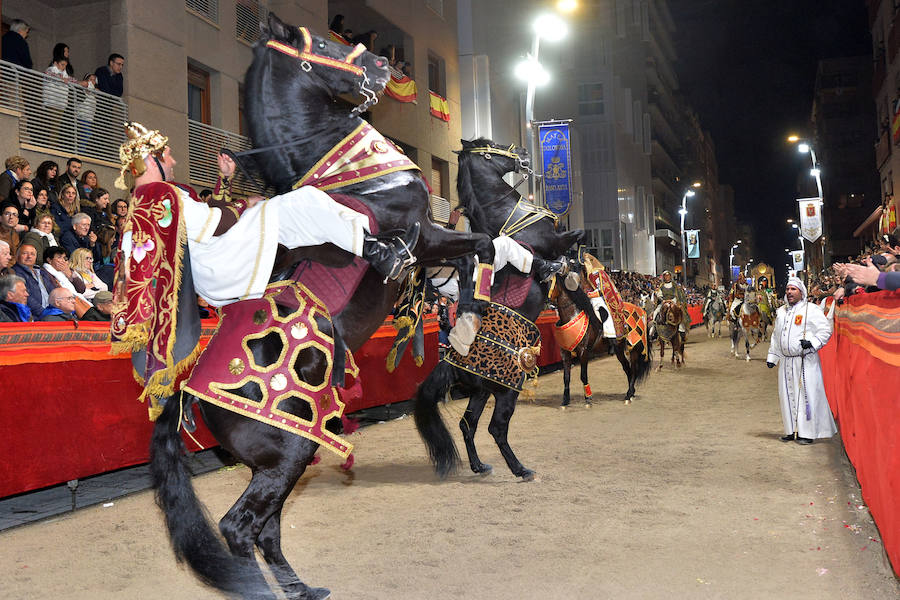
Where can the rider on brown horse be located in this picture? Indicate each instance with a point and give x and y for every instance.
(670, 290)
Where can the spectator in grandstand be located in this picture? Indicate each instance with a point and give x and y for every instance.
(80, 236)
(118, 209)
(82, 263)
(41, 236)
(5, 258)
(87, 184)
(45, 179)
(13, 300)
(73, 170)
(109, 78)
(60, 307)
(367, 39)
(60, 52)
(337, 25)
(15, 45)
(68, 205)
(870, 275)
(101, 309)
(56, 262)
(25, 199)
(85, 109)
(17, 169)
(9, 221)
(38, 282)
(97, 208)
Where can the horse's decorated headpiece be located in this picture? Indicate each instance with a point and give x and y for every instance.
(522, 162)
(139, 144)
(308, 57)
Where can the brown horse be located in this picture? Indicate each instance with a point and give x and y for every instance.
(573, 309)
(670, 316)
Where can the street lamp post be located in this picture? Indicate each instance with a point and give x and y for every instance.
(805, 147)
(731, 259)
(683, 212)
(551, 28)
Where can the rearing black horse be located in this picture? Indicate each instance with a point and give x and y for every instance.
(292, 111)
(493, 207)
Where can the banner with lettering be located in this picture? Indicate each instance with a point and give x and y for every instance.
(555, 166)
(693, 243)
(810, 218)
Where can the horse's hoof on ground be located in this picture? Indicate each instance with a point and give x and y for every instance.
(748, 359)
(587, 404)
(627, 401)
(485, 470)
(314, 594)
(527, 475)
(562, 406)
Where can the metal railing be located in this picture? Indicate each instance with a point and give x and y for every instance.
(63, 118)
(440, 209)
(204, 144)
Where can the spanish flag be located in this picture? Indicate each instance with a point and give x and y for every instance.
(439, 107)
(336, 37)
(401, 89)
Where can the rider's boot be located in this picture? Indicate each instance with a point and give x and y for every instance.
(544, 270)
(389, 255)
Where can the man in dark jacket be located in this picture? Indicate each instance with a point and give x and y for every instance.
(13, 300)
(101, 309)
(81, 236)
(61, 306)
(14, 47)
(38, 282)
(109, 78)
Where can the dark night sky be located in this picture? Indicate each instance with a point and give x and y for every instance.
(748, 68)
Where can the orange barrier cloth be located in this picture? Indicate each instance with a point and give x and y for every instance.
(69, 409)
(861, 369)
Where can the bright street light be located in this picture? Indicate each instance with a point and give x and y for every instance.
(815, 172)
(689, 193)
(803, 148)
(566, 6)
(551, 28)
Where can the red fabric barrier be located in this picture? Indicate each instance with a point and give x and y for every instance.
(696, 313)
(68, 409)
(864, 394)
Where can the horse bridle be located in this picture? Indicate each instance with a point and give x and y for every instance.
(307, 58)
(523, 165)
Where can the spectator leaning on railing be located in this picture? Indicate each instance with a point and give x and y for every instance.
(109, 78)
(14, 45)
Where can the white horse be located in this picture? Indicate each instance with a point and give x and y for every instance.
(746, 323)
(713, 317)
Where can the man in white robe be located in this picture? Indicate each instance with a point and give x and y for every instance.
(800, 331)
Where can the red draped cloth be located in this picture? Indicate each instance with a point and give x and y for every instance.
(861, 369)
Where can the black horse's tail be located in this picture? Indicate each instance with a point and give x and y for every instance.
(190, 531)
(441, 448)
(643, 364)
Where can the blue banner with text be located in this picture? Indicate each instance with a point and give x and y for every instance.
(555, 166)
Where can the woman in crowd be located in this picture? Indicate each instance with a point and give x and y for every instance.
(82, 264)
(88, 184)
(61, 51)
(41, 235)
(45, 179)
(117, 210)
(24, 192)
(96, 208)
(56, 262)
(66, 207)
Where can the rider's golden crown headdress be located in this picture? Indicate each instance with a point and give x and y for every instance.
(139, 143)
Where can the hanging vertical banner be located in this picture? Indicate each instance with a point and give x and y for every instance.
(810, 218)
(555, 166)
(735, 272)
(797, 258)
(693, 243)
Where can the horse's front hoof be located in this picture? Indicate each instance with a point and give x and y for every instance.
(587, 404)
(748, 359)
(313, 594)
(527, 475)
(627, 401)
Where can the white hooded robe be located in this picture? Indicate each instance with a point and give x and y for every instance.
(804, 407)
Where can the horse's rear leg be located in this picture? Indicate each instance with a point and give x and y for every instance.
(583, 359)
(504, 407)
(469, 424)
(662, 354)
(269, 543)
(630, 372)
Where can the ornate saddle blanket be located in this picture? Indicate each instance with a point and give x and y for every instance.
(570, 334)
(293, 321)
(505, 349)
(512, 290)
(750, 320)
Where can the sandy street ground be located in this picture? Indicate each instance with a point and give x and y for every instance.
(687, 493)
